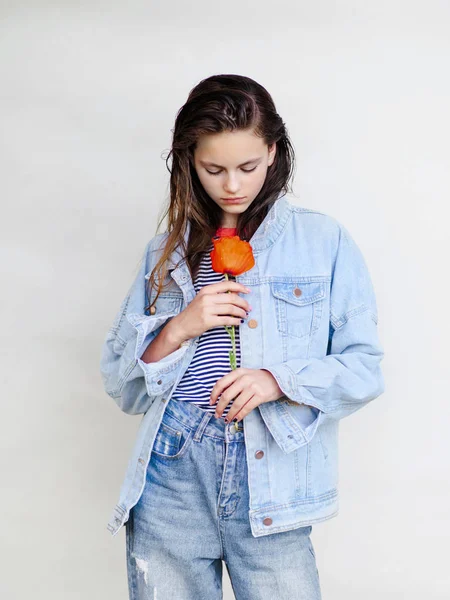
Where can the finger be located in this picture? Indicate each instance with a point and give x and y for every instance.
(224, 382)
(237, 408)
(237, 392)
(229, 395)
(223, 286)
(245, 409)
(224, 302)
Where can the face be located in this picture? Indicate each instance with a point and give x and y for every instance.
(232, 164)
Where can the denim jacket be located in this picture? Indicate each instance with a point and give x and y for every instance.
(314, 327)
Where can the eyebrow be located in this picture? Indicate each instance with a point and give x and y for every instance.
(210, 164)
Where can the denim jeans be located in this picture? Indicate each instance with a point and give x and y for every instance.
(193, 514)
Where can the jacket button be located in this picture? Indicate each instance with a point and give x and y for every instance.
(141, 460)
(159, 382)
(152, 310)
(297, 291)
(253, 323)
(259, 454)
(267, 521)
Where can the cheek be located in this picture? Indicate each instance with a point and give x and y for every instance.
(208, 185)
(258, 181)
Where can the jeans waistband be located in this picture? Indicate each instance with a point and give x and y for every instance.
(202, 421)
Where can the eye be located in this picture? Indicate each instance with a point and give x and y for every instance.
(218, 172)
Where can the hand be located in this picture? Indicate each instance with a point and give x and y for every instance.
(215, 305)
(248, 387)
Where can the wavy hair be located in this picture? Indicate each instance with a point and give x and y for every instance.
(218, 103)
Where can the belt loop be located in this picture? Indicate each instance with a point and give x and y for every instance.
(201, 427)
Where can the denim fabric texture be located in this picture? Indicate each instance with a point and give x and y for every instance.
(193, 516)
(314, 327)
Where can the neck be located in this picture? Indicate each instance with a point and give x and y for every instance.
(228, 225)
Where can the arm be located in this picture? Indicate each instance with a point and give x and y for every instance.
(349, 376)
(166, 341)
(127, 378)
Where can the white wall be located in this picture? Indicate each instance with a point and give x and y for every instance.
(88, 98)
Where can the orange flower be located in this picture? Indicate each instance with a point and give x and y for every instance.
(231, 255)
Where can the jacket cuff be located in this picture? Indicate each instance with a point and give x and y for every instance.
(159, 375)
(301, 420)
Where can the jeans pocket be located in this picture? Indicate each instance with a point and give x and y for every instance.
(172, 438)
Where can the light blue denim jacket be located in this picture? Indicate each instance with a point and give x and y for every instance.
(314, 328)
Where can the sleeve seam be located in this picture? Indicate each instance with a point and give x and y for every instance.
(354, 312)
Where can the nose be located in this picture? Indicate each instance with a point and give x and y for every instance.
(231, 185)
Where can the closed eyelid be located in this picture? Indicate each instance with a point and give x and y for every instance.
(244, 170)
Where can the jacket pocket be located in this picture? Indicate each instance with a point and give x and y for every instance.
(167, 302)
(298, 306)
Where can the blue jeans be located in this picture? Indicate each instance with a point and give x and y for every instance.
(193, 514)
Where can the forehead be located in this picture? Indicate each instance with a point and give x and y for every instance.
(229, 147)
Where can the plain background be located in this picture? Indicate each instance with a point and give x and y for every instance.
(89, 94)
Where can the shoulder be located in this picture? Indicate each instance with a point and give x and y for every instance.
(303, 214)
(155, 244)
(316, 224)
(319, 228)
(158, 241)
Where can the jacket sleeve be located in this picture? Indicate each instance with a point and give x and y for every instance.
(349, 376)
(133, 384)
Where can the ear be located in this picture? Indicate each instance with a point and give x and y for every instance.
(272, 152)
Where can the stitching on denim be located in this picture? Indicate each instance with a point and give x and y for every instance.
(330, 495)
(354, 312)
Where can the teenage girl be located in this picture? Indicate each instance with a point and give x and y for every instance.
(231, 162)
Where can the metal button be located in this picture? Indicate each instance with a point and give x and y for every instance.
(253, 323)
(159, 382)
(259, 454)
(267, 521)
(152, 310)
(297, 291)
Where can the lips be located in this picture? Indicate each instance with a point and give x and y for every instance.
(233, 200)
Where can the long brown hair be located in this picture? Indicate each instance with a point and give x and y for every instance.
(218, 103)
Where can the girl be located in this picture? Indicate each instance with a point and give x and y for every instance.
(235, 465)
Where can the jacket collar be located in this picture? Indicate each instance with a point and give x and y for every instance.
(263, 238)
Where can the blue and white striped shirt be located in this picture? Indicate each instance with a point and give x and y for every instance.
(211, 360)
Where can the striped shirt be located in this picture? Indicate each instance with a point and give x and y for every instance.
(211, 360)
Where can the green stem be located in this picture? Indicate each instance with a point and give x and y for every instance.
(231, 330)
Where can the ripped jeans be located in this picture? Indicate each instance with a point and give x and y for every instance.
(193, 515)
